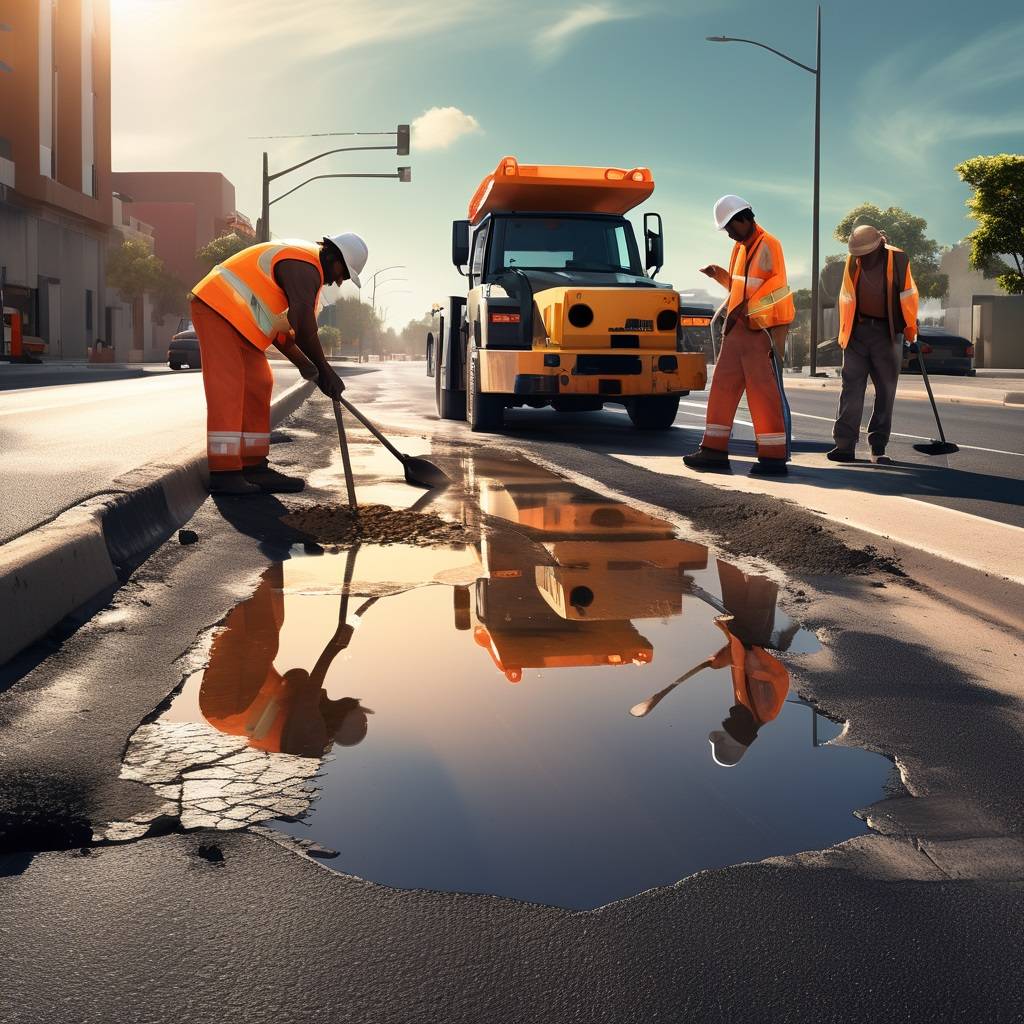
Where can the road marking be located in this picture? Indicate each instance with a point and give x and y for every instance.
(912, 437)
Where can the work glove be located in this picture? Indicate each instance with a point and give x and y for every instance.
(912, 347)
(330, 383)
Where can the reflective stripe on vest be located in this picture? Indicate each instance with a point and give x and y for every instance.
(270, 324)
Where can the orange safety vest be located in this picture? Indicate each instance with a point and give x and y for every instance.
(757, 276)
(908, 297)
(243, 290)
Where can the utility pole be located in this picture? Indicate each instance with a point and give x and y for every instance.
(403, 174)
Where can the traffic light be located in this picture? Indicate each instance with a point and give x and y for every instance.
(405, 174)
(403, 140)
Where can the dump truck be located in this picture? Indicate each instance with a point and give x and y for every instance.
(562, 309)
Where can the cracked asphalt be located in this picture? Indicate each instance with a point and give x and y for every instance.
(170, 918)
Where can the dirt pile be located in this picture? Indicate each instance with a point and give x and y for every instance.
(373, 524)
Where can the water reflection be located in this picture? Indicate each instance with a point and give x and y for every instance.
(243, 693)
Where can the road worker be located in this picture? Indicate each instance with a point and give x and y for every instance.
(759, 310)
(266, 294)
(877, 304)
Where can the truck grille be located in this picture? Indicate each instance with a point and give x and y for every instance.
(626, 366)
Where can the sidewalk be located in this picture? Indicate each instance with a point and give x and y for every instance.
(990, 387)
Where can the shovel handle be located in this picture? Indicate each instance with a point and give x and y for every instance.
(372, 429)
(346, 461)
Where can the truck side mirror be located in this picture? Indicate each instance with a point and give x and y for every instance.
(460, 243)
(654, 243)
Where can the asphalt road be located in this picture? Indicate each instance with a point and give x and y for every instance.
(920, 921)
(63, 443)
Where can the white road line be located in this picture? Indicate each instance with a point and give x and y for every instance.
(912, 437)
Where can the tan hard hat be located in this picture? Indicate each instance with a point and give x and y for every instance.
(865, 238)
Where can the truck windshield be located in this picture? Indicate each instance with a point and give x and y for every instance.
(601, 245)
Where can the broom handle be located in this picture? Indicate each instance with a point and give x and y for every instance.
(928, 388)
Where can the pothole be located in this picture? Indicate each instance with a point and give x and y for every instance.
(568, 710)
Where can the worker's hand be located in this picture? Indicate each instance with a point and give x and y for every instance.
(330, 383)
(710, 270)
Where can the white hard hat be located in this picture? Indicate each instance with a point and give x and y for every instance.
(353, 251)
(725, 750)
(726, 208)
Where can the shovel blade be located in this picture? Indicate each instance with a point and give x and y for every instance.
(936, 448)
(423, 473)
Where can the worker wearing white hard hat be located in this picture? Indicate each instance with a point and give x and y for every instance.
(267, 294)
(758, 311)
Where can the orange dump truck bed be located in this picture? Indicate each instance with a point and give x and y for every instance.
(540, 188)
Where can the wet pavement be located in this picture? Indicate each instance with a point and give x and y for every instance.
(576, 707)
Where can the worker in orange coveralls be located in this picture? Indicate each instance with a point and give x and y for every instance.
(760, 682)
(243, 693)
(267, 294)
(759, 311)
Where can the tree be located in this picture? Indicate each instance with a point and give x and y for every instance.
(134, 270)
(330, 339)
(906, 232)
(998, 206)
(221, 248)
(359, 326)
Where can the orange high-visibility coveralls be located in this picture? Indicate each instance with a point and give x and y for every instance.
(238, 311)
(756, 278)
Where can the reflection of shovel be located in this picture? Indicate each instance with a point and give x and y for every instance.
(645, 707)
(418, 472)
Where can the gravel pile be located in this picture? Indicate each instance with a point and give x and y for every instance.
(373, 524)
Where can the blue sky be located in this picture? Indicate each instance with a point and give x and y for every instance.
(909, 89)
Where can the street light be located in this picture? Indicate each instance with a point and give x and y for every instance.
(816, 71)
(402, 174)
(384, 270)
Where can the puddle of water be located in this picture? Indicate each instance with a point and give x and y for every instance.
(508, 718)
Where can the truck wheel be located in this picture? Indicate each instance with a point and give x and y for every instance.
(451, 404)
(653, 412)
(485, 413)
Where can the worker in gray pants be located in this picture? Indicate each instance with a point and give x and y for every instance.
(878, 307)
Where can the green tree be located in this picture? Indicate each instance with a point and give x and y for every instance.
(330, 339)
(998, 206)
(358, 324)
(221, 248)
(134, 270)
(906, 232)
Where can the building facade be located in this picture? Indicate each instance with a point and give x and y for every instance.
(55, 185)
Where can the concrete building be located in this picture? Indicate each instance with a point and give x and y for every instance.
(187, 209)
(55, 190)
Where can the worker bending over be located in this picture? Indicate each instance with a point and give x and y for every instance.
(759, 311)
(877, 304)
(266, 294)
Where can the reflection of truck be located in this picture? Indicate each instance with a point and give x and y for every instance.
(561, 309)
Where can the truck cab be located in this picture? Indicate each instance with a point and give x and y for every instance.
(562, 307)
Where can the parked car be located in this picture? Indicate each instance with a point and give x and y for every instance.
(943, 353)
(184, 348)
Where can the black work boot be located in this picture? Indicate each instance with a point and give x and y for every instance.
(707, 458)
(232, 482)
(269, 481)
(880, 458)
(769, 467)
(841, 455)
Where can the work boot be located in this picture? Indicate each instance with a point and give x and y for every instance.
(880, 458)
(269, 481)
(707, 458)
(841, 455)
(232, 482)
(769, 467)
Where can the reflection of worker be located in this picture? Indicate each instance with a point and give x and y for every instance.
(877, 303)
(760, 681)
(266, 294)
(759, 311)
(243, 694)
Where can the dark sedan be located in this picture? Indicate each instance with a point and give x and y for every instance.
(184, 350)
(943, 353)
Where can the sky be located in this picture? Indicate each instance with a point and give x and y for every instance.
(909, 89)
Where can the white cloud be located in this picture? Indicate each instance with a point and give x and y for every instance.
(554, 39)
(439, 127)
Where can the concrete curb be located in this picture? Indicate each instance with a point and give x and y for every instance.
(87, 551)
(967, 395)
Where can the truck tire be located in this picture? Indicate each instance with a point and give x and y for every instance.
(451, 404)
(485, 413)
(653, 412)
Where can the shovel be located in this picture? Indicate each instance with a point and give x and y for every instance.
(418, 472)
(933, 447)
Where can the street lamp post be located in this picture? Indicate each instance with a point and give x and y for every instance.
(403, 174)
(373, 281)
(816, 204)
